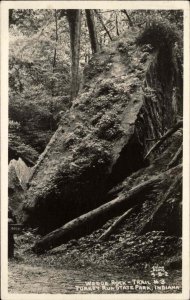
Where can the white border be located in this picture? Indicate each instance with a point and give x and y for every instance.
(5, 5)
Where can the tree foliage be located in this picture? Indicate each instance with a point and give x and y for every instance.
(40, 64)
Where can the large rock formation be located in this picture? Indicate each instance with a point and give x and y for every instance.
(19, 175)
(15, 189)
(23, 172)
(151, 199)
(127, 99)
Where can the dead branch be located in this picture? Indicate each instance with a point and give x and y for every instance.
(176, 157)
(116, 224)
(161, 202)
(164, 137)
(151, 140)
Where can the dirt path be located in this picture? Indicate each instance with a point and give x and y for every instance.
(25, 278)
(28, 279)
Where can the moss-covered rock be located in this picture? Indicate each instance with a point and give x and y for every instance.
(103, 137)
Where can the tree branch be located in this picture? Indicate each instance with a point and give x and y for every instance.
(116, 224)
(164, 137)
(176, 157)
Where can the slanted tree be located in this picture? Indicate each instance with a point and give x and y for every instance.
(128, 17)
(102, 23)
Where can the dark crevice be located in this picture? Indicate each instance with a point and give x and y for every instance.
(130, 160)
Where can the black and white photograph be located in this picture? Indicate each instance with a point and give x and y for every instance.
(95, 149)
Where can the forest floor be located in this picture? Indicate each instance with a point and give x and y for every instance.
(82, 267)
(25, 278)
(126, 262)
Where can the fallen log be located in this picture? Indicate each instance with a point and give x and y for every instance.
(116, 224)
(164, 137)
(86, 222)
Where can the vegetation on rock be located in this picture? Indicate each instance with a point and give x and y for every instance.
(95, 127)
(102, 138)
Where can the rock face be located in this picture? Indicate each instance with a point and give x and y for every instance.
(22, 170)
(151, 197)
(126, 98)
(19, 175)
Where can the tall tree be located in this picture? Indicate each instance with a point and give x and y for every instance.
(92, 30)
(55, 53)
(56, 39)
(74, 19)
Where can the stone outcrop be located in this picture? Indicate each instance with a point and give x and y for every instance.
(126, 101)
(19, 175)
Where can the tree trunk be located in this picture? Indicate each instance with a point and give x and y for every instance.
(87, 222)
(56, 39)
(116, 24)
(92, 30)
(102, 23)
(54, 57)
(11, 21)
(74, 19)
(128, 17)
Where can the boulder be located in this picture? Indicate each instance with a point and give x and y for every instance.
(18, 177)
(22, 170)
(125, 101)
